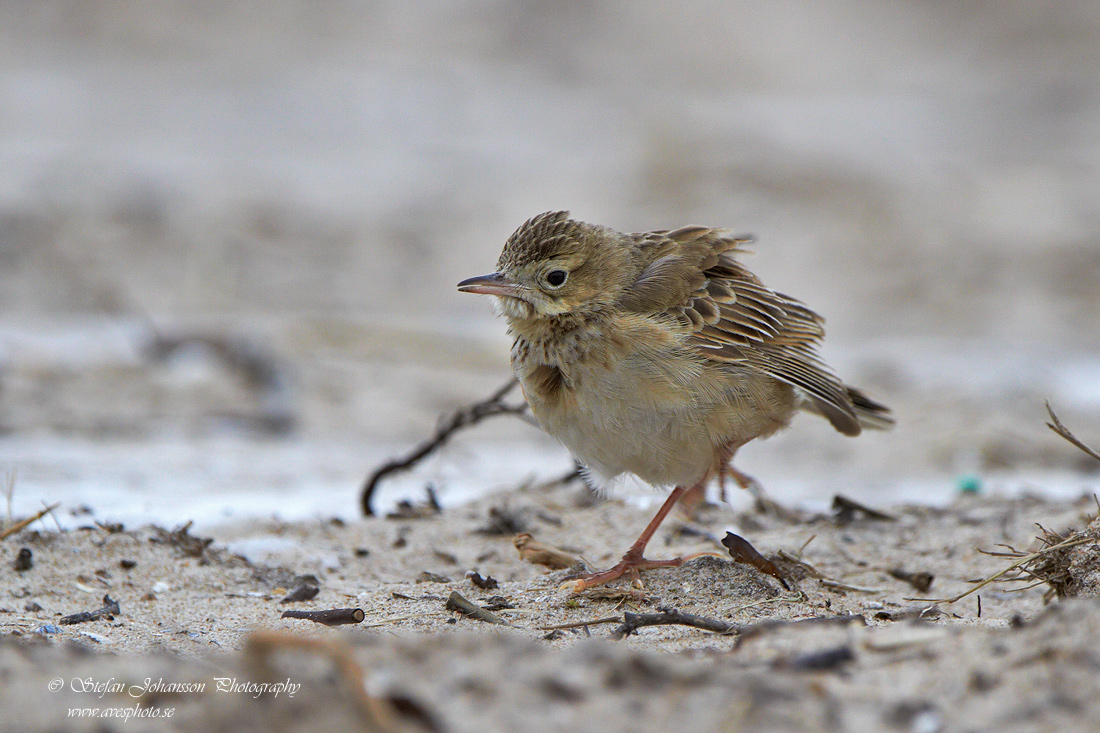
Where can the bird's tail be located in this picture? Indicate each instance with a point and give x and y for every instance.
(870, 414)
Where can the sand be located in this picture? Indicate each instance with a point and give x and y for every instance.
(849, 646)
(228, 248)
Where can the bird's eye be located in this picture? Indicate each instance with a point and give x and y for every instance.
(556, 278)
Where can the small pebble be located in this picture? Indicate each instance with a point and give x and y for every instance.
(23, 560)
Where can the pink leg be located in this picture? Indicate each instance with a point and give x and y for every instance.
(633, 561)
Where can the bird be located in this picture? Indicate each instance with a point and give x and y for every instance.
(659, 354)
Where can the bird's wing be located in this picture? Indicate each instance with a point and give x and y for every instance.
(690, 274)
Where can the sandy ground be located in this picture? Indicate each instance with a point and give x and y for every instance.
(848, 646)
(229, 238)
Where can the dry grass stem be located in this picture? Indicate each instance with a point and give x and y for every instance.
(1072, 541)
(1056, 425)
(18, 526)
(847, 586)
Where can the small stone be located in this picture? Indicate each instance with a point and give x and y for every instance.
(23, 560)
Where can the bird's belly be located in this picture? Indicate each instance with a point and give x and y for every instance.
(666, 432)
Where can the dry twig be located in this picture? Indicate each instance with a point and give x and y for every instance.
(1049, 566)
(633, 621)
(846, 510)
(462, 604)
(110, 610)
(1056, 425)
(461, 418)
(670, 616)
(4, 534)
(581, 624)
(329, 617)
(1072, 541)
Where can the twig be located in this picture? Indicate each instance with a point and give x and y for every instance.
(633, 622)
(778, 599)
(847, 586)
(846, 509)
(461, 418)
(329, 617)
(462, 604)
(797, 560)
(396, 619)
(24, 522)
(109, 610)
(1071, 542)
(578, 624)
(1056, 425)
(670, 616)
(304, 592)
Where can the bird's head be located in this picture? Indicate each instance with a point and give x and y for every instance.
(554, 266)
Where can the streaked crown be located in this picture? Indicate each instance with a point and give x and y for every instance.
(541, 237)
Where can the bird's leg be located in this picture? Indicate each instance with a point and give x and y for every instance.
(722, 468)
(691, 500)
(633, 560)
(746, 482)
(761, 501)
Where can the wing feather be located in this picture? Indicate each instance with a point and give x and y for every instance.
(690, 274)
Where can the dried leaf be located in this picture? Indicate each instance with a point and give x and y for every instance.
(741, 551)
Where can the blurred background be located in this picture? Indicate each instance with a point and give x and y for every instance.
(230, 231)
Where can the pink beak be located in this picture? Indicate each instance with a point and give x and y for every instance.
(494, 284)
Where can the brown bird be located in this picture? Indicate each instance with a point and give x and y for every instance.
(658, 354)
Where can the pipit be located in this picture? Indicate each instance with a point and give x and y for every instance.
(659, 354)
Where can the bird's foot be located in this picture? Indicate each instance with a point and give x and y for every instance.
(631, 566)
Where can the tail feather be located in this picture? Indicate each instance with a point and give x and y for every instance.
(871, 415)
(868, 414)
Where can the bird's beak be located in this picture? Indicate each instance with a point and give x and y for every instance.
(494, 284)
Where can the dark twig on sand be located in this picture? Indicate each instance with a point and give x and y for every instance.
(329, 617)
(461, 418)
(582, 624)
(846, 510)
(110, 610)
(670, 616)
(303, 592)
(1056, 425)
(462, 604)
